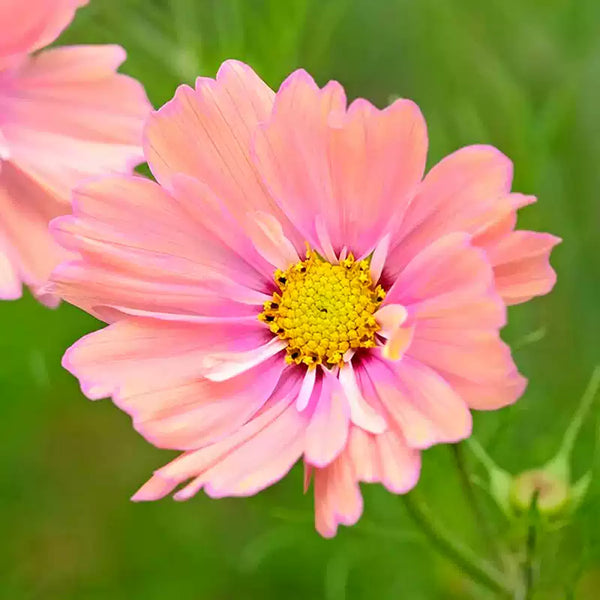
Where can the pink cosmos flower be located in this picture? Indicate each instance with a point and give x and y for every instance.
(293, 289)
(64, 115)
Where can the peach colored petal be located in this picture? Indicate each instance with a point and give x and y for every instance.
(136, 354)
(211, 214)
(521, 265)
(198, 412)
(458, 194)
(391, 317)
(10, 282)
(28, 26)
(253, 457)
(268, 238)
(99, 291)
(29, 250)
(448, 266)
(400, 464)
(206, 133)
(306, 389)
(383, 458)
(71, 98)
(337, 497)
(65, 115)
(318, 159)
(327, 431)
(220, 366)
(362, 413)
(131, 225)
(425, 408)
(456, 315)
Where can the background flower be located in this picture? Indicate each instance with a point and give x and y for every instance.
(65, 115)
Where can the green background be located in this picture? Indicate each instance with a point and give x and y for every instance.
(523, 75)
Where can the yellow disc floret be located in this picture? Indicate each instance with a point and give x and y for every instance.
(323, 310)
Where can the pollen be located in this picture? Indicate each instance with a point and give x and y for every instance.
(323, 310)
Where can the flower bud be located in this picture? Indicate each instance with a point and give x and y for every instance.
(552, 492)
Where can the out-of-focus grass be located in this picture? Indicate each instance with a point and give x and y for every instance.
(523, 75)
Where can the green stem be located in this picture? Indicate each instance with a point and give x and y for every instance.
(444, 542)
(530, 547)
(482, 522)
(570, 436)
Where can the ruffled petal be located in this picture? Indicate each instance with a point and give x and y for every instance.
(206, 133)
(460, 193)
(142, 250)
(521, 262)
(356, 170)
(10, 283)
(420, 403)
(327, 431)
(136, 355)
(198, 412)
(337, 497)
(66, 115)
(456, 314)
(254, 457)
(28, 250)
(383, 458)
(28, 26)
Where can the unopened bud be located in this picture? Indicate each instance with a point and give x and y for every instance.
(552, 492)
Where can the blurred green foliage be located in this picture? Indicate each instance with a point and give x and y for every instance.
(523, 75)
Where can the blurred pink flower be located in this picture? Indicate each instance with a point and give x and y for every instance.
(292, 288)
(65, 115)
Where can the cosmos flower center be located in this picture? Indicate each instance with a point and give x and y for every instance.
(323, 310)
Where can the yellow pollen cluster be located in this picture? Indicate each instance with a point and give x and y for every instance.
(324, 310)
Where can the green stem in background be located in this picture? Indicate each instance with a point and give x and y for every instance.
(481, 521)
(445, 543)
(530, 547)
(572, 431)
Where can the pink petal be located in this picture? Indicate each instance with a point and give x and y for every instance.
(371, 458)
(143, 251)
(362, 413)
(425, 408)
(391, 317)
(206, 133)
(337, 497)
(461, 193)
(327, 431)
(475, 354)
(198, 412)
(400, 464)
(135, 355)
(131, 222)
(255, 456)
(29, 250)
(211, 215)
(268, 238)
(358, 169)
(456, 314)
(306, 389)
(378, 259)
(67, 115)
(28, 26)
(221, 366)
(448, 270)
(521, 265)
(10, 283)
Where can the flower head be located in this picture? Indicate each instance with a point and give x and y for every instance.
(65, 115)
(293, 289)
